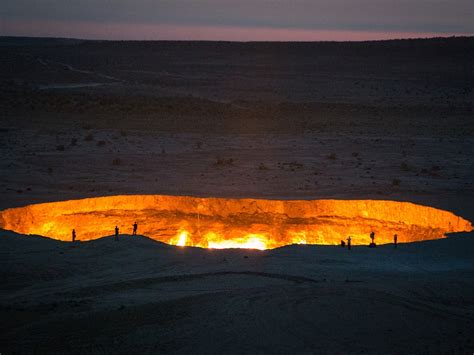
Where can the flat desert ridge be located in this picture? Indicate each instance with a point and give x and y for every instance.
(374, 120)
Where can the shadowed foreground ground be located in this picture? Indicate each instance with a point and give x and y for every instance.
(140, 295)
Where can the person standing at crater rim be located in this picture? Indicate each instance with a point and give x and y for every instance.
(135, 227)
(349, 242)
(73, 235)
(372, 236)
(395, 240)
(116, 232)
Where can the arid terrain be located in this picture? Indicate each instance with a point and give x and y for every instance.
(138, 295)
(386, 120)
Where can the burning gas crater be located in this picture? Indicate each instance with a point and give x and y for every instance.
(235, 223)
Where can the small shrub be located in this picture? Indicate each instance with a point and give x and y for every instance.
(332, 156)
(405, 167)
(292, 166)
(116, 162)
(223, 162)
(262, 166)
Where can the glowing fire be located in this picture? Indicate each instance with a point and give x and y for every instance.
(235, 223)
(181, 239)
(250, 241)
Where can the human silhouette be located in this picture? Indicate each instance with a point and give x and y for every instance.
(116, 232)
(343, 243)
(73, 235)
(372, 237)
(135, 226)
(395, 240)
(349, 242)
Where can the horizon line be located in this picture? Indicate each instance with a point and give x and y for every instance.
(171, 32)
(237, 41)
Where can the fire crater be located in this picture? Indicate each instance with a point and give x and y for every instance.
(235, 223)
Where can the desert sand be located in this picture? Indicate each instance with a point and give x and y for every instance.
(139, 295)
(375, 120)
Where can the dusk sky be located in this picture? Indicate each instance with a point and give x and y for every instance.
(242, 20)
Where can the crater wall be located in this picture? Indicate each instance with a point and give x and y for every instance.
(222, 222)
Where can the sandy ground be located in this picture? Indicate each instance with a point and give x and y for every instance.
(382, 120)
(388, 120)
(416, 169)
(137, 295)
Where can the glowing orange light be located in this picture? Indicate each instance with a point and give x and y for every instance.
(235, 223)
(247, 242)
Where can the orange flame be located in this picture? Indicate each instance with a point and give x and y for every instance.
(235, 223)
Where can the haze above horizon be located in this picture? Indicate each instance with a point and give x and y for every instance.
(232, 20)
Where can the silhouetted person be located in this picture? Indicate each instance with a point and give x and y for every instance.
(349, 242)
(395, 240)
(343, 243)
(135, 226)
(372, 237)
(116, 232)
(73, 235)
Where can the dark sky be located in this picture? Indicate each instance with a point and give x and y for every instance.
(237, 19)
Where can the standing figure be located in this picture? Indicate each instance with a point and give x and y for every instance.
(349, 242)
(135, 226)
(73, 235)
(395, 240)
(343, 243)
(372, 237)
(116, 232)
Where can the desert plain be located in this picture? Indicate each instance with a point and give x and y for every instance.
(390, 120)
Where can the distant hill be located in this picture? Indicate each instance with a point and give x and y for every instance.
(37, 41)
(52, 41)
